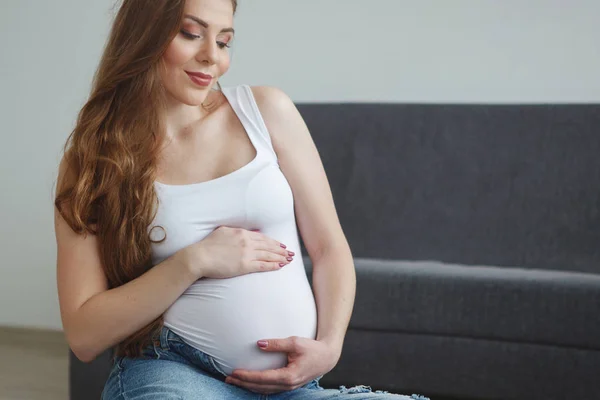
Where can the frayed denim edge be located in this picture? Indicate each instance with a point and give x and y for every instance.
(367, 389)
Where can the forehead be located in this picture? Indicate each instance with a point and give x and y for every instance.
(217, 13)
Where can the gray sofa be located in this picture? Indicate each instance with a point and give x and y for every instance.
(476, 236)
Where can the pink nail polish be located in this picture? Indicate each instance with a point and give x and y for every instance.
(283, 245)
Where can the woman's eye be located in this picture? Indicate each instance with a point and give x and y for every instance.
(190, 35)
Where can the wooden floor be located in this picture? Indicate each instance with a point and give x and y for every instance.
(33, 365)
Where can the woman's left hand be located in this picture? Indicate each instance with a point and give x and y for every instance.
(307, 359)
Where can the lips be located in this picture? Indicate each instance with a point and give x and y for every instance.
(199, 75)
(200, 79)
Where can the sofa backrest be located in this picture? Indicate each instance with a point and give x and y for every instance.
(503, 185)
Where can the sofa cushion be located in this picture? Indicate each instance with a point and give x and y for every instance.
(512, 304)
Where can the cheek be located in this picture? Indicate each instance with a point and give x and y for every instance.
(178, 53)
(224, 64)
(174, 59)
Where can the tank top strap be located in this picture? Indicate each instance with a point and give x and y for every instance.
(244, 104)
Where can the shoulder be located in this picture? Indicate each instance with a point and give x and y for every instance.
(284, 122)
(282, 118)
(273, 102)
(270, 93)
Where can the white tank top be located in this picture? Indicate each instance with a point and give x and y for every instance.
(225, 317)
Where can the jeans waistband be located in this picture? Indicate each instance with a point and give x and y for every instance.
(167, 335)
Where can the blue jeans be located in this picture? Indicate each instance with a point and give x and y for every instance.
(171, 369)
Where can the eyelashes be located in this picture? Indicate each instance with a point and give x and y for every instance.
(191, 36)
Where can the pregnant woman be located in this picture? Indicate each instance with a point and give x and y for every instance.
(175, 223)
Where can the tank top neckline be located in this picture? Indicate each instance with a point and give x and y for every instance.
(233, 104)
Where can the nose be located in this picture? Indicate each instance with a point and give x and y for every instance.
(209, 53)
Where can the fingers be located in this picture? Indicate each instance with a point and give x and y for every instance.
(271, 243)
(261, 266)
(281, 377)
(268, 244)
(287, 255)
(262, 255)
(273, 380)
(287, 345)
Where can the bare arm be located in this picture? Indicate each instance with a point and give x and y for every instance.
(334, 278)
(95, 318)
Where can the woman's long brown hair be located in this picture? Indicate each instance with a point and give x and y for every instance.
(111, 153)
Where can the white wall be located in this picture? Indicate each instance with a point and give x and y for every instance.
(422, 50)
(316, 50)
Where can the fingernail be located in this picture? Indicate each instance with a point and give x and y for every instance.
(262, 343)
(283, 245)
(291, 253)
(290, 259)
(281, 265)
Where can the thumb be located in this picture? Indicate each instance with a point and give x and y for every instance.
(286, 345)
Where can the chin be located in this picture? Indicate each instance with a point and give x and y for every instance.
(193, 100)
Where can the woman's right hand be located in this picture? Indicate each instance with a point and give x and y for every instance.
(227, 252)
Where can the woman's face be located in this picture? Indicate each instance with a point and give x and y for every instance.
(199, 54)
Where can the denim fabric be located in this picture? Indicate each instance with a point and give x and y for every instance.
(171, 369)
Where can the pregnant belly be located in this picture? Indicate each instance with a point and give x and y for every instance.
(226, 317)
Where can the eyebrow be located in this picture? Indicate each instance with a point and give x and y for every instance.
(205, 24)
